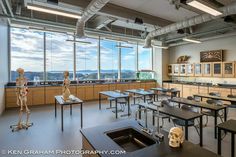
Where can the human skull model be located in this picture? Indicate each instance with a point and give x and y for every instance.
(176, 137)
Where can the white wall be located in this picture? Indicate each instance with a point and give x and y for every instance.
(228, 44)
(3, 62)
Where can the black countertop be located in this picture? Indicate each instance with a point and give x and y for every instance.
(31, 84)
(100, 141)
(230, 86)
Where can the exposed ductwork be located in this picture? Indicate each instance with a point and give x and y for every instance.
(91, 10)
(227, 10)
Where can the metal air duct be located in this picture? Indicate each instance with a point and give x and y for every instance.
(227, 10)
(91, 10)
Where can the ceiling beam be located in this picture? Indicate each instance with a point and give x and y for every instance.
(120, 12)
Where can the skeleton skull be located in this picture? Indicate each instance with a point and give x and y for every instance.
(176, 137)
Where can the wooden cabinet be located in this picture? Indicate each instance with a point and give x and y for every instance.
(190, 69)
(176, 69)
(143, 85)
(182, 70)
(217, 69)
(10, 97)
(203, 90)
(112, 87)
(134, 85)
(228, 69)
(50, 93)
(222, 91)
(207, 69)
(89, 92)
(122, 87)
(100, 88)
(197, 69)
(38, 95)
(165, 85)
(81, 92)
(177, 86)
(170, 70)
(189, 90)
(150, 85)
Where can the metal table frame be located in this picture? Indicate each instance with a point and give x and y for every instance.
(166, 90)
(114, 95)
(59, 100)
(176, 113)
(201, 105)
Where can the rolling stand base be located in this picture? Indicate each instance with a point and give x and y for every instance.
(20, 127)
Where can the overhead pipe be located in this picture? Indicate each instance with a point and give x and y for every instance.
(90, 11)
(227, 10)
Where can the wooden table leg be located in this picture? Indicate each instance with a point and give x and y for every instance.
(81, 117)
(62, 128)
(201, 133)
(219, 142)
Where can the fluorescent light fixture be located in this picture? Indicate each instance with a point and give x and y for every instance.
(52, 11)
(203, 6)
(120, 46)
(78, 41)
(192, 40)
(160, 47)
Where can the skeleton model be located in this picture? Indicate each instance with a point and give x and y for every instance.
(21, 96)
(176, 137)
(66, 84)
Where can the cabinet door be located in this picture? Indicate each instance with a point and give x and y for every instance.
(89, 93)
(165, 85)
(122, 87)
(217, 69)
(99, 88)
(189, 90)
(134, 85)
(38, 96)
(182, 71)
(51, 92)
(176, 69)
(207, 69)
(143, 85)
(228, 69)
(198, 69)
(177, 86)
(10, 97)
(170, 69)
(190, 69)
(81, 92)
(112, 87)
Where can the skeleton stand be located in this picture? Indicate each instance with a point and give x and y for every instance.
(21, 100)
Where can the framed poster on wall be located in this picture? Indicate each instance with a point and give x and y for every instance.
(211, 56)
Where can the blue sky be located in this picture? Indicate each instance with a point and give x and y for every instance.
(27, 52)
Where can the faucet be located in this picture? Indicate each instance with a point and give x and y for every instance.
(144, 129)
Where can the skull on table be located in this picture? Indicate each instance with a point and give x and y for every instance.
(176, 137)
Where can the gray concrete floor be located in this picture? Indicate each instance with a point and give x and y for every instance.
(46, 135)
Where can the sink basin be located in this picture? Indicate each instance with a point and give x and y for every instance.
(130, 139)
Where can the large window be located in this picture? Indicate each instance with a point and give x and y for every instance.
(59, 56)
(128, 60)
(46, 55)
(144, 58)
(27, 53)
(109, 59)
(86, 59)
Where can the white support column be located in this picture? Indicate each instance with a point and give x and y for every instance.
(119, 61)
(99, 58)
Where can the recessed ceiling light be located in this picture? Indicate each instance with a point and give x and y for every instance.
(192, 40)
(201, 5)
(52, 11)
